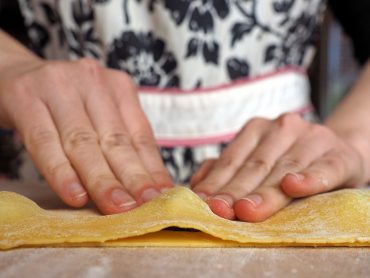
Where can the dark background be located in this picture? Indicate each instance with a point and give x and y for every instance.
(11, 20)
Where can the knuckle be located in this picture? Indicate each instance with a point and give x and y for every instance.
(256, 122)
(136, 180)
(288, 124)
(207, 185)
(39, 137)
(115, 140)
(143, 140)
(99, 182)
(124, 82)
(289, 119)
(91, 66)
(57, 75)
(290, 163)
(55, 169)
(226, 162)
(161, 175)
(258, 164)
(124, 78)
(78, 138)
(208, 162)
(321, 131)
(92, 69)
(336, 162)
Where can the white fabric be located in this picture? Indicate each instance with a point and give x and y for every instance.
(188, 117)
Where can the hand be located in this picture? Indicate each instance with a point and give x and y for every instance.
(273, 161)
(83, 127)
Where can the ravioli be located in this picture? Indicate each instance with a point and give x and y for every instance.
(340, 218)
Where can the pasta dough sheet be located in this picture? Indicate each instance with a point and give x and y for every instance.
(340, 218)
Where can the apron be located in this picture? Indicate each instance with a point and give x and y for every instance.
(202, 68)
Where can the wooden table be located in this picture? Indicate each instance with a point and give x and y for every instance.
(175, 262)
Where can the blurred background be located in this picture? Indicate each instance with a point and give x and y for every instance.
(334, 70)
(332, 73)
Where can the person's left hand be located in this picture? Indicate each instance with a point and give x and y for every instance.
(273, 161)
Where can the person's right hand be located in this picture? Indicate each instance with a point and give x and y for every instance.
(83, 127)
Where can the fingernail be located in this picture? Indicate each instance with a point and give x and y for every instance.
(254, 199)
(225, 199)
(77, 191)
(297, 176)
(149, 194)
(202, 195)
(121, 199)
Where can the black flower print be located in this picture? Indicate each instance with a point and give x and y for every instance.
(180, 163)
(199, 14)
(149, 2)
(39, 37)
(190, 165)
(209, 49)
(200, 17)
(284, 7)
(83, 40)
(250, 22)
(302, 35)
(237, 68)
(294, 35)
(170, 162)
(53, 18)
(37, 32)
(145, 58)
(294, 47)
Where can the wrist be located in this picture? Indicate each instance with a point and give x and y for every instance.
(11, 77)
(13, 54)
(18, 65)
(359, 141)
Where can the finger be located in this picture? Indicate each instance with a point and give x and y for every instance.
(118, 148)
(233, 157)
(42, 142)
(333, 170)
(246, 180)
(261, 161)
(139, 129)
(303, 152)
(269, 198)
(148, 151)
(81, 145)
(262, 204)
(202, 172)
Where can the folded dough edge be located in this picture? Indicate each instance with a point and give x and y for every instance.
(340, 218)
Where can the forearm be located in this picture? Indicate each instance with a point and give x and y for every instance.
(14, 58)
(12, 53)
(351, 119)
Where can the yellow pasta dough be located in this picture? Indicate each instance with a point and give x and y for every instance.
(340, 218)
